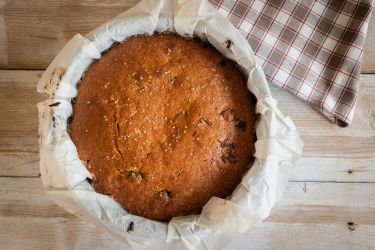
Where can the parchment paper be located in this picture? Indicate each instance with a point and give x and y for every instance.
(65, 177)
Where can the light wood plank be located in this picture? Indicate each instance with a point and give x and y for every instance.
(3, 42)
(18, 129)
(37, 30)
(53, 233)
(18, 112)
(305, 236)
(19, 164)
(369, 49)
(305, 214)
(48, 25)
(310, 169)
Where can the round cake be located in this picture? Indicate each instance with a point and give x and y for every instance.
(163, 123)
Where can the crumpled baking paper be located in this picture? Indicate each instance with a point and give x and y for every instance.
(277, 149)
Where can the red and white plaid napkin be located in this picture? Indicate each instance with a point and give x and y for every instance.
(312, 48)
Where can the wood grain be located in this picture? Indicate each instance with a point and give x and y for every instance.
(312, 169)
(305, 214)
(53, 233)
(18, 129)
(33, 32)
(18, 113)
(36, 31)
(19, 164)
(369, 49)
(268, 235)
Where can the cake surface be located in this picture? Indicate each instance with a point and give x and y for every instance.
(164, 123)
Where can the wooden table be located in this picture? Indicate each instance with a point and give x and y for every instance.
(329, 202)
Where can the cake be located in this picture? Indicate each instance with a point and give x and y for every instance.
(163, 123)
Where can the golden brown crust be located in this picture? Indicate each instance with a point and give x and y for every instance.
(165, 123)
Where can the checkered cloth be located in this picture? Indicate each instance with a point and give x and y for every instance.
(312, 48)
